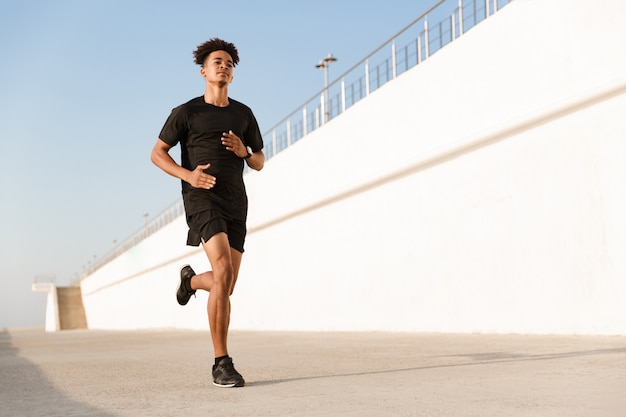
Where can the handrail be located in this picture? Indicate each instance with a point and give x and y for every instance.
(358, 64)
(461, 17)
(464, 15)
(161, 220)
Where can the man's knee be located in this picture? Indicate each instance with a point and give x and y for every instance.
(223, 274)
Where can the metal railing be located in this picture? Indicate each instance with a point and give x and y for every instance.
(157, 223)
(441, 24)
(444, 22)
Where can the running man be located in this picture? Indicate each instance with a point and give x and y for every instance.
(217, 135)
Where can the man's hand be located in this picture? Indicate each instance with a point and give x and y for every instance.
(234, 144)
(198, 179)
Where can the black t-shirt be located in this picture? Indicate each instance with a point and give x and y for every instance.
(198, 127)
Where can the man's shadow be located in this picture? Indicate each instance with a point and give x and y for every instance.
(470, 360)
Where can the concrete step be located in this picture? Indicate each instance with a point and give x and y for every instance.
(71, 309)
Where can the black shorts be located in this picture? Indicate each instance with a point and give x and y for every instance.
(207, 223)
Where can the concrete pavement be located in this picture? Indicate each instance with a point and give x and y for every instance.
(167, 373)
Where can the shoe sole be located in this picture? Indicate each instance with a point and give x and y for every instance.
(235, 385)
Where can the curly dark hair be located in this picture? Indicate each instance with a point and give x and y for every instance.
(215, 44)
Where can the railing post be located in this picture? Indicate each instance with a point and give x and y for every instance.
(495, 6)
(393, 58)
(406, 58)
(419, 49)
(367, 77)
(486, 9)
(452, 27)
(304, 126)
(323, 107)
(474, 12)
(440, 34)
(460, 17)
(343, 95)
(426, 46)
(274, 142)
(288, 132)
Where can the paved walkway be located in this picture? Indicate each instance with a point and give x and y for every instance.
(166, 373)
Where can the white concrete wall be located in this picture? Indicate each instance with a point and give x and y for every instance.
(482, 191)
(53, 322)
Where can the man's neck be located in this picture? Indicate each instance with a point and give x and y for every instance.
(216, 95)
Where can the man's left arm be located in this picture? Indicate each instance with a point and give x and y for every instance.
(256, 161)
(234, 144)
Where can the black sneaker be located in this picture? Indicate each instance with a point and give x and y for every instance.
(184, 291)
(225, 375)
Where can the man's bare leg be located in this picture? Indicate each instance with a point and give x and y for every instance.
(220, 282)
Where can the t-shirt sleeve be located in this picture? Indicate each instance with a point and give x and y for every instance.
(253, 136)
(175, 128)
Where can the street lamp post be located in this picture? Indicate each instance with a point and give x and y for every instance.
(324, 64)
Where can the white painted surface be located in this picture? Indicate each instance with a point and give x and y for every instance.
(52, 323)
(481, 191)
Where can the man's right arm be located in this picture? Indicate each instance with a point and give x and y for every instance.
(197, 178)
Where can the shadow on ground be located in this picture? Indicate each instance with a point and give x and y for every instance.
(25, 391)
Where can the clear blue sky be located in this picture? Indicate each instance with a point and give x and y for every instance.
(85, 87)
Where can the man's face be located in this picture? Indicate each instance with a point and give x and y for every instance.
(218, 68)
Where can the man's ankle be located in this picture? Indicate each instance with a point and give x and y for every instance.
(218, 359)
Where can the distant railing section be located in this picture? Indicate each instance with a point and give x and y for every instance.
(408, 48)
(157, 223)
(444, 22)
